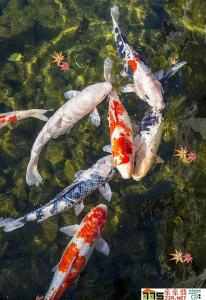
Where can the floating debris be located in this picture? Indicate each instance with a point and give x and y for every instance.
(180, 256)
(58, 58)
(191, 156)
(64, 66)
(177, 256)
(187, 258)
(15, 57)
(185, 155)
(181, 153)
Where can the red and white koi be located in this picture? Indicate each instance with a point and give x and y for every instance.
(86, 237)
(12, 117)
(121, 136)
(147, 85)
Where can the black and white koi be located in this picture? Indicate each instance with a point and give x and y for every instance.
(146, 85)
(146, 143)
(87, 181)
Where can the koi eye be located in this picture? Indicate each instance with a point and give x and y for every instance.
(146, 97)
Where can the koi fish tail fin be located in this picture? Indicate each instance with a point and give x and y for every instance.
(39, 114)
(32, 174)
(115, 13)
(10, 224)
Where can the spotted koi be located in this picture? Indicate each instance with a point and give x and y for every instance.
(12, 117)
(86, 237)
(121, 136)
(146, 143)
(86, 182)
(146, 85)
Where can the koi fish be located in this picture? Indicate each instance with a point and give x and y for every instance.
(147, 143)
(86, 237)
(80, 104)
(11, 117)
(146, 85)
(87, 181)
(121, 136)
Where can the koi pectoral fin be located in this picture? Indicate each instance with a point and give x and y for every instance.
(123, 73)
(102, 246)
(78, 208)
(69, 230)
(55, 268)
(95, 117)
(159, 74)
(173, 70)
(107, 148)
(159, 160)
(107, 71)
(129, 88)
(70, 94)
(106, 191)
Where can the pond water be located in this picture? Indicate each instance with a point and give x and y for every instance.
(147, 220)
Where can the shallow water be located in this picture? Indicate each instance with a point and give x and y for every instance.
(147, 219)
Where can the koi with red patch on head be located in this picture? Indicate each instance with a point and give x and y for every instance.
(145, 84)
(121, 136)
(86, 237)
(12, 117)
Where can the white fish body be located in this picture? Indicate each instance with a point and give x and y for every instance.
(63, 120)
(147, 143)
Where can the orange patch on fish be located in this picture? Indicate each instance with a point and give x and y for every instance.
(78, 265)
(121, 149)
(68, 256)
(132, 63)
(89, 229)
(118, 107)
(112, 123)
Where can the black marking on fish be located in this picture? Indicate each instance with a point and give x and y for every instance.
(130, 73)
(70, 196)
(150, 119)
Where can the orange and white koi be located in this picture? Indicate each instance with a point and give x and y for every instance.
(121, 136)
(86, 237)
(11, 117)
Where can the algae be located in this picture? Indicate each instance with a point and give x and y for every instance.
(148, 219)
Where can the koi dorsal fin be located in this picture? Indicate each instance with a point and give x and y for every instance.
(106, 192)
(70, 230)
(78, 208)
